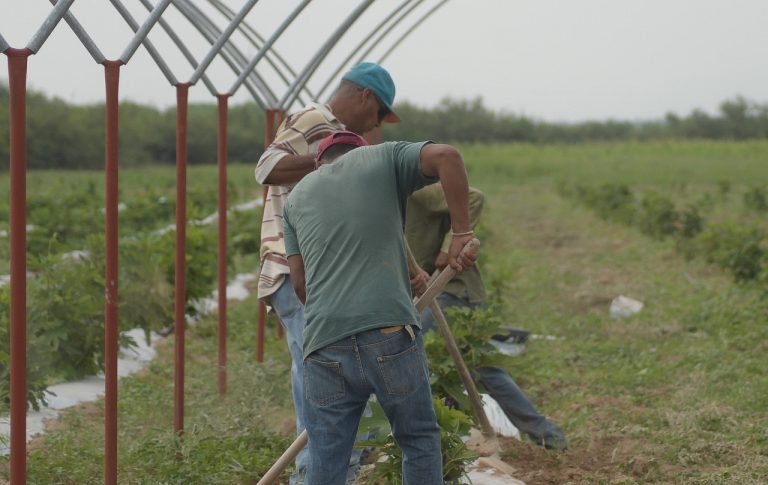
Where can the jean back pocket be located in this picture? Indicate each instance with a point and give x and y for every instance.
(404, 372)
(323, 381)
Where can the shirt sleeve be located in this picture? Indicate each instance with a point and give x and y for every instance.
(295, 136)
(289, 234)
(407, 163)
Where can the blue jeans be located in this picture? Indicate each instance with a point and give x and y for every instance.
(291, 312)
(513, 401)
(339, 379)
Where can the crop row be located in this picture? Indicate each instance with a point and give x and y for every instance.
(65, 294)
(737, 246)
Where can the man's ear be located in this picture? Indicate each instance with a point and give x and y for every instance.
(368, 95)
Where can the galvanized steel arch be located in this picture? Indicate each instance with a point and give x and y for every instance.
(245, 70)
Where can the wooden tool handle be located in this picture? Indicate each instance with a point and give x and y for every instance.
(446, 275)
(428, 300)
(466, 377)
(285, 459)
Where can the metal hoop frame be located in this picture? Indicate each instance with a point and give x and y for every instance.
(247, 73)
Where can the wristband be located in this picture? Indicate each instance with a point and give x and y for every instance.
(468, 233)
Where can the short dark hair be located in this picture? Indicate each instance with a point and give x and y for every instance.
(335, 151)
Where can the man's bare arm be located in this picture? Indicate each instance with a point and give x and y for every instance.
(290, 169)
(476, 203)
(444, 162)
(296, 265)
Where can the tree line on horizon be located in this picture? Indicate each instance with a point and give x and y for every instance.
(66, 135)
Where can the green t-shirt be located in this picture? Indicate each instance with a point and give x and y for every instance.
(346, 220)
(428, 231)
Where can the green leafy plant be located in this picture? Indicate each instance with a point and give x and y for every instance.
(472, 330)
(38, 369)
(689, 225)
(67, 313)
(613, 202)
(245, 234)
(200, 260)
(690, 222)
(147, 211)
(705, 202)
(756, 199)
(456, 456)
(724, 188)
(66, 302)
(657, 216)
(734, 247)
(67, 218)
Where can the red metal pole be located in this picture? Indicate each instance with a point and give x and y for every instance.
(112, 81)
(222, 254)
(182, 92)
(17, 85)
(273, 119)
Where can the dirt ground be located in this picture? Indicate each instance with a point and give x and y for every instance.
(612, 458)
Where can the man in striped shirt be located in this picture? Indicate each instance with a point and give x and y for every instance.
(361, 103)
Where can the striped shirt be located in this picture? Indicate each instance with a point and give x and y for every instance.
(299, 134)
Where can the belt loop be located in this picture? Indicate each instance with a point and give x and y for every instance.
(409, 329)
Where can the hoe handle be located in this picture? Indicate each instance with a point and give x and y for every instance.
(285, 459)
(428, 300)
(438, 284)
(469, 383)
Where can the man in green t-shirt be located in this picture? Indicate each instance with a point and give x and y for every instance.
(428, 232)
(345, 248)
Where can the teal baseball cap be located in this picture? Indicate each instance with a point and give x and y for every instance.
(374, 77)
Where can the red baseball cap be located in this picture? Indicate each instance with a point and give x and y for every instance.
(340, 138)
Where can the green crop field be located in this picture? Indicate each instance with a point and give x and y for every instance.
(674, 394)
(62, 202)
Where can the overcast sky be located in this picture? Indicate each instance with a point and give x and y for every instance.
(550, 59)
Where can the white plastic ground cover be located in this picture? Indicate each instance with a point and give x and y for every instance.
(236, 290)
(535, 336)
(251, 204)
(131, 360)
(6, 278)
(511, 349)
(61, 396)
(499, 421)
(30, 227)
(481, 475)
(67, 394)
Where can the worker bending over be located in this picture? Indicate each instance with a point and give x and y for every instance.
(344, 243)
